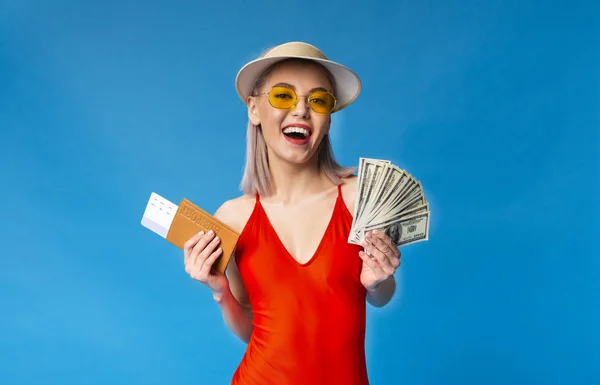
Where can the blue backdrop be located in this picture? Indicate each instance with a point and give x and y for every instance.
(493, 105)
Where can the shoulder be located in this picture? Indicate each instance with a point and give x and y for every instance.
(236, 211)
(349, 191)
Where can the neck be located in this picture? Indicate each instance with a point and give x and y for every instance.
(293, 182)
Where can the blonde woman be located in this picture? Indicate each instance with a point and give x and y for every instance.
(296, 290)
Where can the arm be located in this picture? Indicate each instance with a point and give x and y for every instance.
(233, 300)
(200, 253)
(237, 315)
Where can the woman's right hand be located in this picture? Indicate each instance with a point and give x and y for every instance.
(200, 253)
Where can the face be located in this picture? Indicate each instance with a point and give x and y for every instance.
(291, 135)
(393, 233)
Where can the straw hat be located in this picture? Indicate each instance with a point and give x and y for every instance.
(348, 84)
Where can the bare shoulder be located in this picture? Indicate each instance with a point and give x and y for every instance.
(235, 212)
(349, 191)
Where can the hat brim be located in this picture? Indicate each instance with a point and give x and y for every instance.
(348, 84)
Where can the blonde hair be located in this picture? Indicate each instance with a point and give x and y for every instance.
(257, 178)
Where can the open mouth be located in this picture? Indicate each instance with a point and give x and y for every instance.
(296, 133)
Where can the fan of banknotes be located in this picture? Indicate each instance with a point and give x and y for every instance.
(391, 200)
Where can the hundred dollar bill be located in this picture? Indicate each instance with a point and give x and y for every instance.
(365, 175)
(364, 178)
(415, 209)
(401, 205)
(393, 197)
(402, 209)
(369, 170)
(371, 191)
(404, 231)
(389, 178)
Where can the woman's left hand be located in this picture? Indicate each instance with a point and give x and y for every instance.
(382, 261)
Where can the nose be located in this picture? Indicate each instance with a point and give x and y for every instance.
(302, 108)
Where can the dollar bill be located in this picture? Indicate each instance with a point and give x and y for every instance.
(391, 200)
(369, 175)
(373, 170)
(414, 209)
(404, 231)
(364, 181)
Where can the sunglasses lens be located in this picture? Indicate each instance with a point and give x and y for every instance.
(282, 97)
(322, 102)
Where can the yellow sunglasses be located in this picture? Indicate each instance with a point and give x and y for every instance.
(285, 98)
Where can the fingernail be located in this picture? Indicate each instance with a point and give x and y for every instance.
(201, 233)
(211, 232)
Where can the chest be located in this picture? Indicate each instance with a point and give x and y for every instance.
(301, 229)
(302, 248)
(277, 272)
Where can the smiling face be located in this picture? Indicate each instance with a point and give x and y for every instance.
(292, 135)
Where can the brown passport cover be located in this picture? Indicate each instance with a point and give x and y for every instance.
(190, 220)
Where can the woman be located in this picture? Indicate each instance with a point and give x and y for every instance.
(296, 290)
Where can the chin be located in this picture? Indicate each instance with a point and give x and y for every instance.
(296, 154)
(296, 158)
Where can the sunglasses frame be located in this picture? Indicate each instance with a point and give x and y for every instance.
(297, 99)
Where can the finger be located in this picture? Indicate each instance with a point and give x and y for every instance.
(207, 252)
(381, 257)
(211, 260)
(384, 242)
(387, 240)
(200, 246)
(189, 245)
(370, 261)
(201, 272)
(384, 260)
(377, 242)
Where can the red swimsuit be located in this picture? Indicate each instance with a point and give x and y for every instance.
(309, 319)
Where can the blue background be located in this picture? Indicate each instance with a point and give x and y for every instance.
(493, 105)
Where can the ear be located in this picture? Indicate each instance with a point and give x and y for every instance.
(253, 110)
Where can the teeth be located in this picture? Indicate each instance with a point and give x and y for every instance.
(299, 130)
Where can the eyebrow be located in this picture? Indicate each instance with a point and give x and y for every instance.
(294, 88)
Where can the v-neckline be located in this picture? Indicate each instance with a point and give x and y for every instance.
(321, 241)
